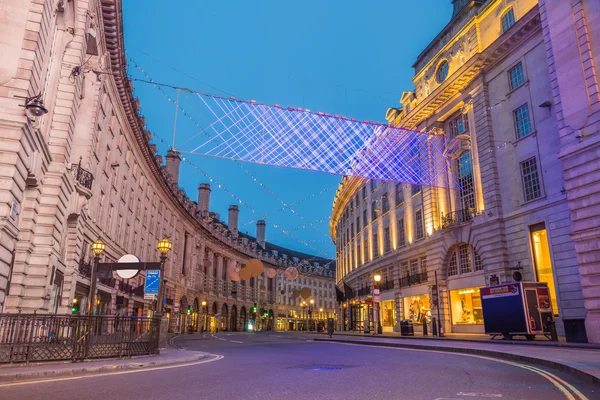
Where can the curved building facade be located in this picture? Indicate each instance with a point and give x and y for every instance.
(483, 92)
(87, 170)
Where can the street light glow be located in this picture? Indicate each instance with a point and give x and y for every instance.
(164, 246)
(377, 277)
(98, 247)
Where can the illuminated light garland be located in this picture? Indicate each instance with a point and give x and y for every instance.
(302, 139)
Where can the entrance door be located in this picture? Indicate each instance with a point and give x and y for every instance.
(533, 310)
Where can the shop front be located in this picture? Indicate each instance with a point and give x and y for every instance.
(387, 315)
(466, 314)
(416, 306)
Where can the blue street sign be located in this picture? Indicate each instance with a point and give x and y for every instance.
(152, 282)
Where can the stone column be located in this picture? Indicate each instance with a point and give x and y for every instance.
(573, 59)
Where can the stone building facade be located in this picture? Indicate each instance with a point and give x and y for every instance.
(484, 92)
(87, 170)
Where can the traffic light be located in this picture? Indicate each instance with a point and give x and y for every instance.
(254, 308)
(189, 310)
(75, 306)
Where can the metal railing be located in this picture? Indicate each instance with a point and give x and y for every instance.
(82, 176)
(33, 338)
(415, 279)
(387, 285)
(85, 268)
(458, 217)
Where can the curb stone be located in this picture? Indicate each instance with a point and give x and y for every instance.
(490, 353)
(97, 370)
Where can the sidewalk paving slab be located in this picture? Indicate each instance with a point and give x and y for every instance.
(19, 372)
(581, 362)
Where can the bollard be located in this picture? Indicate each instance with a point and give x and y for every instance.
(425, 327)
(434, 327)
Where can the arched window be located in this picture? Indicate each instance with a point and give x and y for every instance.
(465, 180)
(442, 72)
(464, 260)
(508, 19)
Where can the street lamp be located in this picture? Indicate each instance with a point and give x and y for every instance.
(98, 248)
(204, 312)
(377, 279)
(303, 305)
(164, 246)
(312, 302)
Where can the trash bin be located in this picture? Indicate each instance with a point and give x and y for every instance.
(330, 326)
(406, 328)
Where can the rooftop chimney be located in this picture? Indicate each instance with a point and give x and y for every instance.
(260, 233)
(173, 160)
(232, 220)
(204, 198)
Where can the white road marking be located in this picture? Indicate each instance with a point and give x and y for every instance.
(70, 378)
(559, 383)
(236, 341)
(478, 394)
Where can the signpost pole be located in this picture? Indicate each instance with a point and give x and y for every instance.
(437, 297)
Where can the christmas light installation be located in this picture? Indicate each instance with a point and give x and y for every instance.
(302, 139)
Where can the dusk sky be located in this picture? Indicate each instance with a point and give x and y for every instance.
(350, 58)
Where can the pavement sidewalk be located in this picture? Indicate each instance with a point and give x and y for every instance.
(583, 362)
(19, 372)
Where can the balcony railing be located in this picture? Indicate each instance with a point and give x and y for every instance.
(387, 285)
(82, 176)
(85, 268)
(364, 291)
(458, 217)
(416, 279)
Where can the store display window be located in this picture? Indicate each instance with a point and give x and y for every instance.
(417, 308)
(465, 306)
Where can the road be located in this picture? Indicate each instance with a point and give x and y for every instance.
(290, 366)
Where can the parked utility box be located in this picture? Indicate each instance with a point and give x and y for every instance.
(518, 308)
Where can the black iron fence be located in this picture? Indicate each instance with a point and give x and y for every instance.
(414, 279)
(32, 338)
(458, 217)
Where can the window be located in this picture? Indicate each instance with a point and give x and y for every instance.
(508, 20)
(365, 221)
(352, 230)
(531, 180)
(373, 211)
(356, 201)
(375, 246)
(516, 77)
(366, 250)
(442, 72)
(386, 240)
(465, 181)
(415, 189)
(465, 306)
(419, 231)
(459, 125)
(385, 203)
(401, 233)
(522, 121)
(364, 192)
(373, 185)
(359, 254)
(358, 224)
(399, 197)
(463, 260)
(543, 261)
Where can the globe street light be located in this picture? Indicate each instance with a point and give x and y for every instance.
(377, 279)
(312, 302)
(164, 246)
(204, 312)
(98, 248)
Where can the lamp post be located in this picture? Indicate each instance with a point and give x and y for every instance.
(97, 247)
(164, 246)
(204, 312)
(312, 302)
(303, 305)
(377, 279)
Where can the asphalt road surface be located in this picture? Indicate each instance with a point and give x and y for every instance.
(290, 366)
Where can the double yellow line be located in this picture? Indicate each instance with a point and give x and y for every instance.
(568, 390)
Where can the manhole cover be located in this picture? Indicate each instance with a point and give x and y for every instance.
(323, 367)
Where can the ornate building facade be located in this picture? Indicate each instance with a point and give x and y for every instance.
(77, 165)
(488, 91)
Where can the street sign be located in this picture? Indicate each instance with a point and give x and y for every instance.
(128, 273)
(151, 285)
(376, 298)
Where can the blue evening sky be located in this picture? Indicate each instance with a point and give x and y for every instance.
(351, 58)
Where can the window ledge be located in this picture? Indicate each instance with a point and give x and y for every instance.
(517, 141)
(542, 197)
